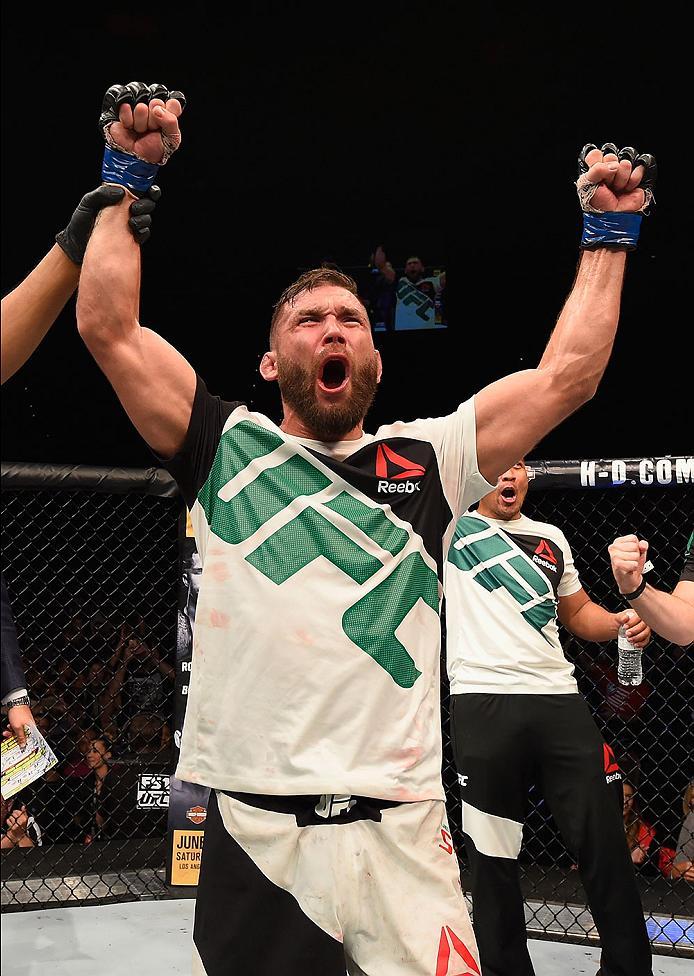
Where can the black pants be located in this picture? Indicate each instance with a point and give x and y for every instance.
(503, 744)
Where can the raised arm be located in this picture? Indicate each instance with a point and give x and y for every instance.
(32, 307)
(155, 384)
(669, 614)
(516, 412)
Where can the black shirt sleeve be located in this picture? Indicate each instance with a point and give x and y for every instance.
(688, 570)
(191, 466)
(10, 658)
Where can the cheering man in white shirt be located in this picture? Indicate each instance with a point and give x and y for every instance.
(517, 719)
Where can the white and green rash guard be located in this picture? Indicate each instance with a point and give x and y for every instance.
(503, 580)
(317, 633)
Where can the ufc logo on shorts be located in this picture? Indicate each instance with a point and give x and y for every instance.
(462, 779)
(333, 804)
(447, 841)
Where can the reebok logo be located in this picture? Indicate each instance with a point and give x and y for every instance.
(404, 488)
(545, 557)
(612, 770)
(454, 958)
(408, 469)
(396, 467)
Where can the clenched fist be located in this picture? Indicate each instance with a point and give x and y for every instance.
(615, 188)
(628, 557)
(143, 120)
(140, 126)
(615, 180)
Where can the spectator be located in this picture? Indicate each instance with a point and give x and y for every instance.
(379, 291)
(94, 694)
(143, 681)
(101, 790)
(148, 735)
(104, 634)
(19, 828)
(112, 798)
(683, 863)
(77, 766)
(418, 297)
(60, 804)
(639, 833)
(75, 636)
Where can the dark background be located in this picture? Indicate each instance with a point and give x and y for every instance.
(318, 132)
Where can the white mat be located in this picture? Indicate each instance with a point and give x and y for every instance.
(153, 937)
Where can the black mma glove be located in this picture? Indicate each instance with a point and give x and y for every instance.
(75, 237)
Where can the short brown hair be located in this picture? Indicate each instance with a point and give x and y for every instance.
(307, 282)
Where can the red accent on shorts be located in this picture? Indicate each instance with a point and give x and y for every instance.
(464, 955)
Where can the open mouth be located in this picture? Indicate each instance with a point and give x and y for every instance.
(508, 495)
(334, 374)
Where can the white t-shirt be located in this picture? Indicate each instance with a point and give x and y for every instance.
(502, 582)
(317, 633)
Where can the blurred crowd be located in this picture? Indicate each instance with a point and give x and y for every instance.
(103, 700)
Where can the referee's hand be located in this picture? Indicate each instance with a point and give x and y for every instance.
(17, 718)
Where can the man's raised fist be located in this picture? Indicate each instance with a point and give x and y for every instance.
(142, 120)
(140, 125)
(615, 180)
(615, 187)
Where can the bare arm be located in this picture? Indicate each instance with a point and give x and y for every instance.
(669, 614)
(517, 411)
(514, 413)
(384, 265)
(591, 622)
(30, 310)
(155, 384)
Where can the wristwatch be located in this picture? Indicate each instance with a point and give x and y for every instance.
(13, 702)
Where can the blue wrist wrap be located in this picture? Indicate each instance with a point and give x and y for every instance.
(126, 170)
(611, 230)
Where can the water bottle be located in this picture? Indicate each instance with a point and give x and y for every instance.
(629, 670)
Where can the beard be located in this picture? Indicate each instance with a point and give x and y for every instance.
(297, 385)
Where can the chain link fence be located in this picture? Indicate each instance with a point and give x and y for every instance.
(90, 560)
(649, 728)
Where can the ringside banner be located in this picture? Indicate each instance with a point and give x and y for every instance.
(187, 802)
(658, 472)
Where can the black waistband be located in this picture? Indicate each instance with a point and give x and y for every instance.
(304, 807)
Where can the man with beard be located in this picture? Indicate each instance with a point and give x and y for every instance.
(313, 709)
(518, 720)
